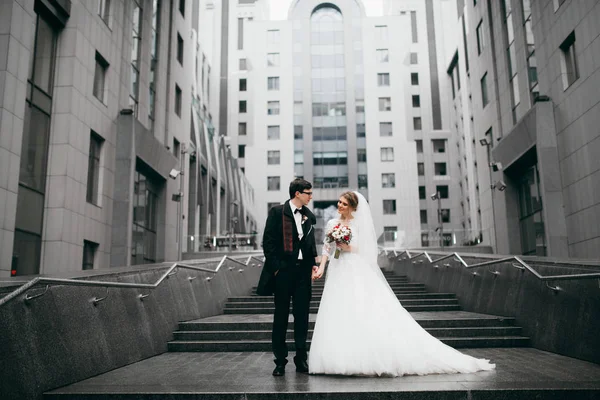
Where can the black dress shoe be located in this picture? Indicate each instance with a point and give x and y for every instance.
(302, 366)
(279, 370)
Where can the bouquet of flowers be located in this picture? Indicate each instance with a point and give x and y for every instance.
(339, 234)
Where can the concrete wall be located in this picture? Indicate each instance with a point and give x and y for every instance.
(564, 322)
(61, 337)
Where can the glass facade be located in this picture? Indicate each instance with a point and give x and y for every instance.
(330, 148)
(145, 217)
(34, 152)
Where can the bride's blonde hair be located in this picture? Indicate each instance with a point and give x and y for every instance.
(352, 199)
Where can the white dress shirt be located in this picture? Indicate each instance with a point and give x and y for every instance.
(298, 218)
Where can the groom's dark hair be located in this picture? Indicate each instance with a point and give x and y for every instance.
(299, 185)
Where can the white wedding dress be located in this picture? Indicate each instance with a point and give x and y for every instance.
(361, 327)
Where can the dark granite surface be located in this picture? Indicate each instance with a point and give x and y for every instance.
(520, 373)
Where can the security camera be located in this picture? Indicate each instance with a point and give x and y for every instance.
(484, 142)
(434, 196)
(496, 166)
(174, 173)
(500, 185)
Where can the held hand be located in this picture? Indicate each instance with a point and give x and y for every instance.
(318, 273)
(344, 246)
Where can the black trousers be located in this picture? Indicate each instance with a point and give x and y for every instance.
(292, 283)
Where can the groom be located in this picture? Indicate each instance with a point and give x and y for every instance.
(290, 257)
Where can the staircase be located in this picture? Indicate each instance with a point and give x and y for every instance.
(247, 322)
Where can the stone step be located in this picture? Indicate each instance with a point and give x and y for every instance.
(319, 291)
(314, 310)
(241, 323)
(266, 334)
(315, 303)
(244, 299)
(265, 345)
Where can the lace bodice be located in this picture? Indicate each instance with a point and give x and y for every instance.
(329, 247)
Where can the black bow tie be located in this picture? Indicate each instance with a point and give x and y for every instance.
(298, 210)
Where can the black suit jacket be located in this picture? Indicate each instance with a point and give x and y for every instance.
(276, 257)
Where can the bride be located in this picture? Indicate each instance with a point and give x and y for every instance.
(361, 327)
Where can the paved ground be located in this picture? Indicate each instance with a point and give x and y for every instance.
(522, 373)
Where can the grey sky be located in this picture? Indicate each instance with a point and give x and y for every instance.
(279, 8)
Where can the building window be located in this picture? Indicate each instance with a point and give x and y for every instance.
(241, 151)
(381, 33)
(361, 155)
(273, 157)
(273, 83)
(176, 148)
(569, 61)
(416, 101)
(484, 90)
(414, 78)
(179, 49)
(385, 104)
(439, 145)
(419, 144)
(383, 55)
(422, 193)
(389, 206)
(145, 219)
(480, 38)
(388, 180)
(531, 217)
(136, 44)
(178, 98)
(445, 215)
(442, 190)
(243, 85)
(153, 59)
(423, 215)
(298, 132)
(242, 107)
(421, 169)
(440, 169)
(273, 37)
(93, 177)
(272, 59)
(182, 7)
(413, 24)
(243, 64)
(363, 182)
(385, 129)
(298, 157)
(89, 254)
(242, 129)
(360, 130)
(273, 108)
(417, 123)
(104, 10)
(273, 132)
(414, 58)
(100, 77)
(387, 154)
(240, 34)
(34, 156)
(273, 183)
(383, 79)
(360, 105)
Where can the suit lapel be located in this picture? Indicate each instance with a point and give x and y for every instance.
(287, 212)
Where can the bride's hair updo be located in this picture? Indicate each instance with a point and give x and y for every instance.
(352, 199)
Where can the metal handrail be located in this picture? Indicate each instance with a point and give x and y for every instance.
(520, 264)
(93, 283)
